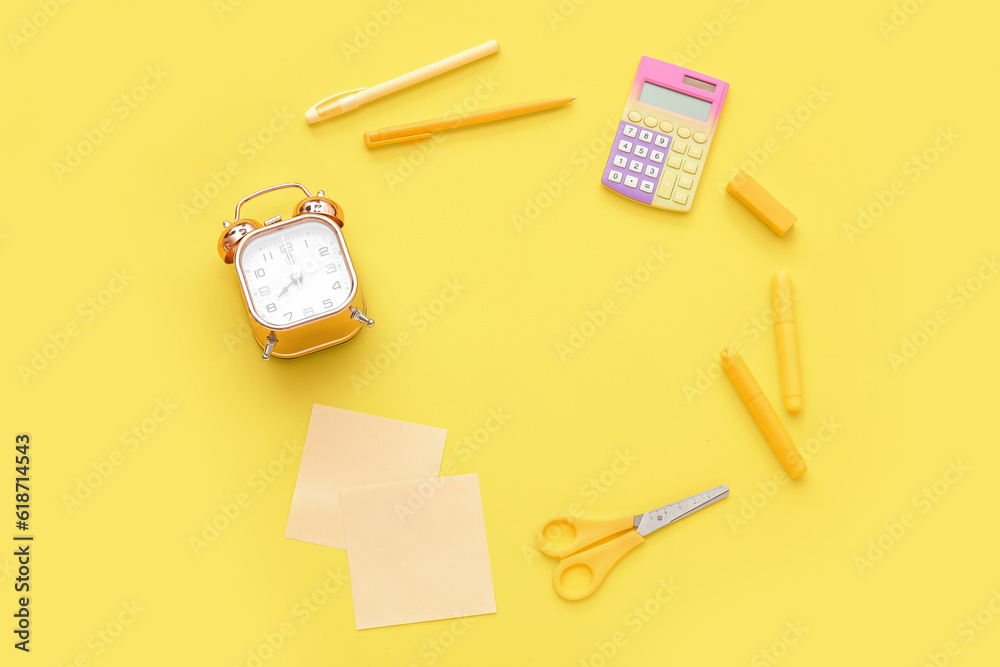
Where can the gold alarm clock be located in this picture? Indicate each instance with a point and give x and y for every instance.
(299, 284)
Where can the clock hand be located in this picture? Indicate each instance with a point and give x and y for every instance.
(296, 280)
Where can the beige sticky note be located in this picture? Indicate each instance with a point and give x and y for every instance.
(345, 448)
(417, 551)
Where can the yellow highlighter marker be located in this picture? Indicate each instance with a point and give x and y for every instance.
(787, 336)
(763, 413)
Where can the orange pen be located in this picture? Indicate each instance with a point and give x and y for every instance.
(763, 413)
(787, 336)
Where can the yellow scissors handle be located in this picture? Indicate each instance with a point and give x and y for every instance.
(583, 531)
(598, 560)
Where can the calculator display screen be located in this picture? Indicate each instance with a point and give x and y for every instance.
(678, 103)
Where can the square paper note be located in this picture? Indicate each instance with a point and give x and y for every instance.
(417, 551)
(345, 448)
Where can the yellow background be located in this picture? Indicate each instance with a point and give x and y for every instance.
(176, 331)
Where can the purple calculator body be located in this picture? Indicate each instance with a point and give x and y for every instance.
(659, 152)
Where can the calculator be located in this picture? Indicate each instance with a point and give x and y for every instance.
(659, 152)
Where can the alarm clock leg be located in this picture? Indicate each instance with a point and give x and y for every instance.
(271, 340)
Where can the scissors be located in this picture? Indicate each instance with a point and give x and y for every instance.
(591, 549)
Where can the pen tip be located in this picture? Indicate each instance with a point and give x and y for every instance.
(312, 116)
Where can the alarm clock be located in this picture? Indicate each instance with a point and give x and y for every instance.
(299, 285)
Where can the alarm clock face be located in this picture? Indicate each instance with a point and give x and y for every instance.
(296, 273)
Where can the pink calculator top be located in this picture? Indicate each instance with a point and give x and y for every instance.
(664, 135)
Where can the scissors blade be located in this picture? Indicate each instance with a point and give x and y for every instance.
(662, 516)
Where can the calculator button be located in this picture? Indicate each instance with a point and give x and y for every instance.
(696, 152)
(620, 161)
(661, 141)
(615, 176)
(630, 131)
(635, 166)
(625, 146)
(680, 197)
(634, 116)
(700, 137)
(678, 147)
(652, 171)
(667, 126)
(685, 182)
(690, 167)
(649, 121)
(645, 136)
(647, 187)
(656, 156)
(666, 185)
(631, 181)
(674, 161)
(683, 132)
(641, 151)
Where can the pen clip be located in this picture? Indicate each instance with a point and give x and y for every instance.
(322, 105)
(398, 140)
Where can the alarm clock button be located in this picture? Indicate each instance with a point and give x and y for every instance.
(634, 116)
(683, 132)
(630, 131)
(650, 121)
(700, 137)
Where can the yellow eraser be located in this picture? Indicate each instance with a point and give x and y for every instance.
(761, 203)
